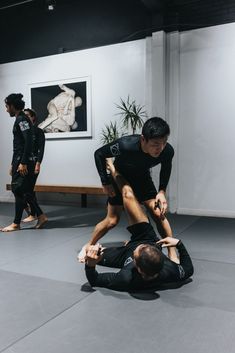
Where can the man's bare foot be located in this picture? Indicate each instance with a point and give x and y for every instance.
(29, 219)
(81, 256)
(11, 228)
(42, 220)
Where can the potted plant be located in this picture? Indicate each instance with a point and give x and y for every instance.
(132, 115)
(110, 133)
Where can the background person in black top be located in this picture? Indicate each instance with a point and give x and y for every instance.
(134, 156)
(143, 265)
(35, 211)
(22, 166)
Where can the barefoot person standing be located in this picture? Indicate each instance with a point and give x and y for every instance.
(22, 166)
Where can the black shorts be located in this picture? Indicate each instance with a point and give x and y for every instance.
(143, 188)
(141, 233)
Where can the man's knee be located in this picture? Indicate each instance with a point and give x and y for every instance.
(127, 193)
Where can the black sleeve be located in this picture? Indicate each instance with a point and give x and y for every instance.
(116, 281)
(26, 131)
(165, 171)
(185, 266)
(112, 149)
(40, 144)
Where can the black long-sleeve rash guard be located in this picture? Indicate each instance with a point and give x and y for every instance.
(39, 143)
(130, 160)
(129, 279)
(22, 139)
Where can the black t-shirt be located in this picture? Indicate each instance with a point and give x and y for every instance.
(22, 139)
(131, 161)
(129, 279)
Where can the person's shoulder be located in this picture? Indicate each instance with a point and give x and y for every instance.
(130, 141)
(168, 151)
(21, 117)
(23, 121)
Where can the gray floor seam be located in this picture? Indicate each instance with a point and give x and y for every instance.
(46, 322)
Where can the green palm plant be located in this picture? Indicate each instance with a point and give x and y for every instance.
(110, 133)
(132, 114)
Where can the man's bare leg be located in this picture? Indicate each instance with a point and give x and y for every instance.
(11, 228)
(163, 227)
(110, 221)
(132, 207)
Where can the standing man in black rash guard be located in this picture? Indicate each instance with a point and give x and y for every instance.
(134, 156)
(38, 152)
(22, 166)
(143, 265)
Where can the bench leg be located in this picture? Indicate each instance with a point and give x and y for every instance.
(84, 200)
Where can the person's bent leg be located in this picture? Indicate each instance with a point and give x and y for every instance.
(131, 204)
(110, 221)
(163, 226)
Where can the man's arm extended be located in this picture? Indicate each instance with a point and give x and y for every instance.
(115, 281)
(185, 266)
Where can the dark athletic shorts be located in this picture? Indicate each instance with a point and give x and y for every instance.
(141, 233)
(143, 187)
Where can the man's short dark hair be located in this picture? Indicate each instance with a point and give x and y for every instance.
(31, 112)
(150, 260)
(15, 99)
(155, 128)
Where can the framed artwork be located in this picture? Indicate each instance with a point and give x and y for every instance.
(63, 107)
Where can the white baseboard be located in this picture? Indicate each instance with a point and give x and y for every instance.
(209, 213)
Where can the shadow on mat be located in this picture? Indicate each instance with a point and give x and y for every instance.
(69, 222)
(146, 295)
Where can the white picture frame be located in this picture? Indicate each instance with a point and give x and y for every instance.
(58, 119)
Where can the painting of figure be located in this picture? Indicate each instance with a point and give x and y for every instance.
(63, 109)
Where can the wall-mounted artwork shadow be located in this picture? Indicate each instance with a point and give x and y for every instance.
(63, 107)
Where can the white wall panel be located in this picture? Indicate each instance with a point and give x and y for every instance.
(116, 71)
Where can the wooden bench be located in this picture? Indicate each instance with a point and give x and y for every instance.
(83, 190)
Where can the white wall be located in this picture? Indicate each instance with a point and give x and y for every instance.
(188, 78)
(206, 125)
(116, 71)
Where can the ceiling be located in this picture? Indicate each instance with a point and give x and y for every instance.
(183, 14)
(29, 30)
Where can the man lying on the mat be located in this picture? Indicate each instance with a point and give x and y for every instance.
(142, 262)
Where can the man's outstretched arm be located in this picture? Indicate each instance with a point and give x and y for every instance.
(185, 266)
(116, 281)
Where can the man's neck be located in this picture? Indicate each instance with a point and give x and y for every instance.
(17, 113)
